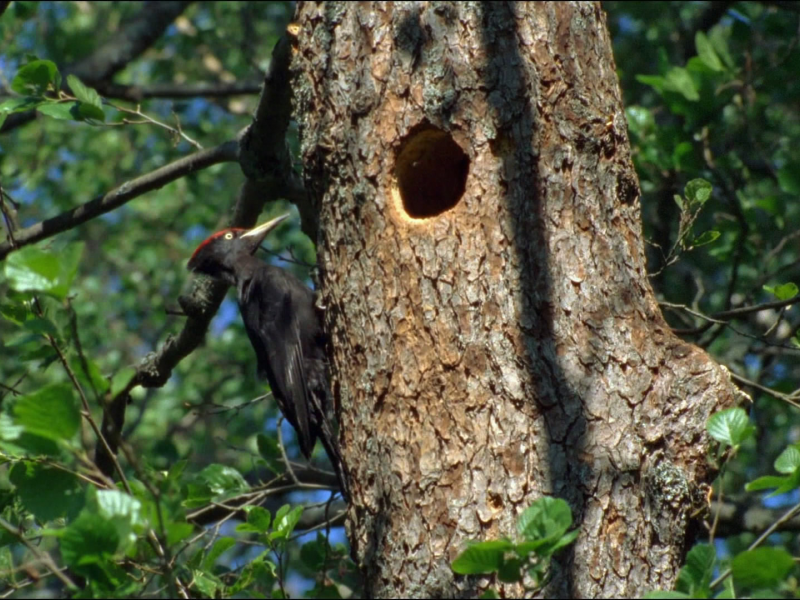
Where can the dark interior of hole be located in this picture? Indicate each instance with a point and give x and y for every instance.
(431, 173)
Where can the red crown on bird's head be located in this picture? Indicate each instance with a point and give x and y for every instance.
(213, 237)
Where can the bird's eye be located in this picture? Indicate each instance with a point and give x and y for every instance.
(228, 236)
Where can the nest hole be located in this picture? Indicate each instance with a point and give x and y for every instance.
(431, 173)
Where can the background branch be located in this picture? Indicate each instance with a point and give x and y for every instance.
(114, 199)
(137, 93)
(134, 37)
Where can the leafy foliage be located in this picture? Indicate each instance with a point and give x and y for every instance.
(80, 312)
(543, 528)
(204, 508)
(709, 107)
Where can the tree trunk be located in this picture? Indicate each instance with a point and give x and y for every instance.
(494, 337)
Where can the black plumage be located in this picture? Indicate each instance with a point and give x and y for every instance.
(284, 329)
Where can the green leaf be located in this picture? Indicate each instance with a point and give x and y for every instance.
(176, 470)
(41, 326)
(719, 41)
(222, 479)
(730, 426)
(83, 92)
(761, 568)
(654, 81)
(212, 482)
(546, 519)
(679, 80)
(16, 313)
(24, 104)
(88, 375)
(285, 522)
(267, 447)
(259, 518)
(72, 111)
(788, 461)
(784, 291)
(46, 492)
(8, 429)
(706, 52)
(314, 554)
(34, 78)
(219, 547)
(489, 594)
(260, 570)
(90, 112)
(38, 270)
(50, 412)
(63, 111)
(269, 451)
(178, 531)
(765, 483)
(563, 541)
(664, 595)
(510, 571)
(789, 178)
(678, 201)
(482, 557)
(123, 512)
(698, 191)
(207, 584)
(88, 540)
(695, 576)
(121, 379)
(706, 237)
(681, 154)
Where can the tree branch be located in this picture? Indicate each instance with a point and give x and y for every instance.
(234, 507)
(137, 93)
(736, 518)
(132, 39)
(266, 163)
(114, 199)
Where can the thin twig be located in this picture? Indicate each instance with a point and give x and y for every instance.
(787, 516)
(44, 557)
(289, 468)
(148, 120)
(766, 390)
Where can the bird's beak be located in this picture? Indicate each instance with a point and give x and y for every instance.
(257, 234)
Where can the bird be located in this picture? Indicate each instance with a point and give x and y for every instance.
(285, 330)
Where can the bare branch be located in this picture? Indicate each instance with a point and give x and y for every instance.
(129, 42)
(787, 517)
(234, 508)
(736, 518)
(136, 93)
(114, 199)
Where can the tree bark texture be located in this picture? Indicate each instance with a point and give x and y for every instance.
(494, 337)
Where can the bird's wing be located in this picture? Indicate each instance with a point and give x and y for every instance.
(274, 332)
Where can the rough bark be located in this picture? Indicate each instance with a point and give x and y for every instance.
(502, 344)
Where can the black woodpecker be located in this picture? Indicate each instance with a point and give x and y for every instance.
(285, 330)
